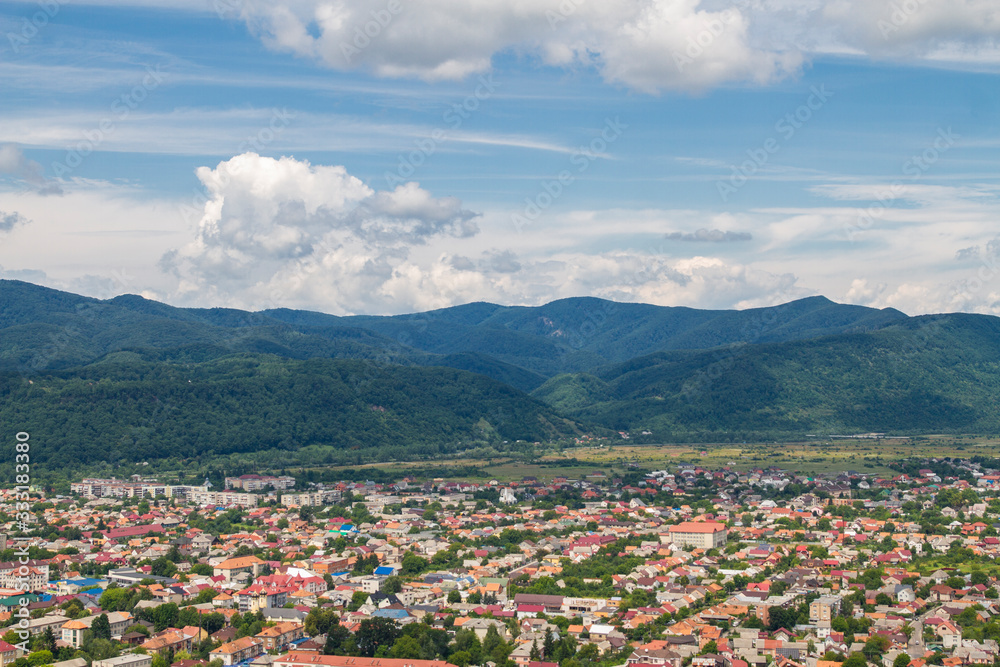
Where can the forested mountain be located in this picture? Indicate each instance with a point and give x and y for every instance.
(43, 328)
(921, 375)
(129, 377)
(126, 408)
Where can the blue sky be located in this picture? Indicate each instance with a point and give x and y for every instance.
(227, 152)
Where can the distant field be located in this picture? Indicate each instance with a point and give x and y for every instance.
(821, 456)
(810, 457)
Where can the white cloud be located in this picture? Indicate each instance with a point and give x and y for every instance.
(285, 232)
(647, 45)
(225, 132)
(643, 44)
(937, 29)
(109, 239)
(31, 173)
(8, 221)
(273, 227)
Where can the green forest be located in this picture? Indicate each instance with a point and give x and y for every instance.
(128, 380)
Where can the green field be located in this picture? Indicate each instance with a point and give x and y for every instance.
(811, 458)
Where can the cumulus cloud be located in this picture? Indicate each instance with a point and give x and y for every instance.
(272, 227)
(10, 220)
(934, 29)
(648, 45)
(14, 163)
(285, 232)
(709, 236)
(968, 254)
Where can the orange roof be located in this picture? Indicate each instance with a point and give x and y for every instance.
(697, 527)
(243, 561)
(236, 645)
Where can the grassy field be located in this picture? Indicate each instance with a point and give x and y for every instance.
(815, 457)
(811, 458)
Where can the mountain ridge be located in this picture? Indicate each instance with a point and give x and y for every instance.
(483, 375)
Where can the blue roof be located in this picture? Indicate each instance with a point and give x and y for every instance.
(86, 581)
(385, 569)
(390, 613)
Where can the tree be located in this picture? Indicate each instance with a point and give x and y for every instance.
(392, 585)
(548, 646)
(413, 564)
(902, 660)
(855, 660)
(406, 648)
(454, 597)
(358, 598)
(779, 617)
(875, 647)
(101, 627)
(165, 616)
(163, 567)
(98, 649)
(206, 595)
(39, 658)
(336, 638)
(320, 621)
(468, 641)
(376, 632)
(49, 640)
(710, 647)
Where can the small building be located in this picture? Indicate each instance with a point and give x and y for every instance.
(231, 567)
(238, 650)
(127, 660)
(698, 534)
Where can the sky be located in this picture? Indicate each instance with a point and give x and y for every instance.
(391, 156)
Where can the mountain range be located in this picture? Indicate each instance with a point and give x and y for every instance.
(154, 380)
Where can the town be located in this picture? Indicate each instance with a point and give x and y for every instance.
(686, 566)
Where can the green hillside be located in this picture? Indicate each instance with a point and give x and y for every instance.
(923, 375)
(125, 408)
(133, 379)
